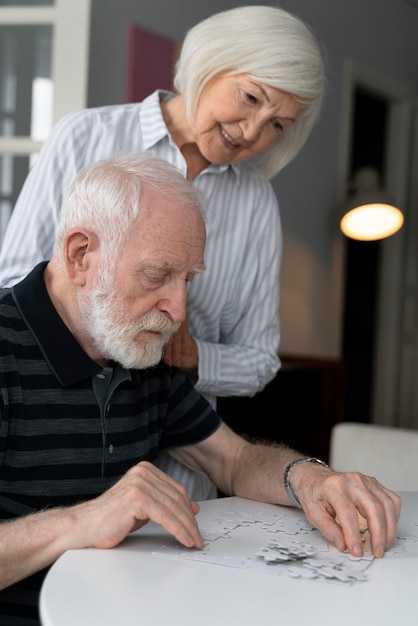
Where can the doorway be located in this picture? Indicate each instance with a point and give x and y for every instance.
(385, 107)
(362, 262)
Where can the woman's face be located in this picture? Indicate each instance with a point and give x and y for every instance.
(237, 118)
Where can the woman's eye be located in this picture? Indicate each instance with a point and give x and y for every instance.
(251, 98)
(277, 125)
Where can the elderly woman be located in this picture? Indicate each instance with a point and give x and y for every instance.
(248, 89)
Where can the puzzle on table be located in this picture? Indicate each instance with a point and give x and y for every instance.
(274, 543)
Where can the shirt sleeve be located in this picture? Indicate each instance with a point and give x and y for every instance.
(190, 418)
(246, 358)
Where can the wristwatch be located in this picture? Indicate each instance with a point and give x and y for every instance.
(286, 476)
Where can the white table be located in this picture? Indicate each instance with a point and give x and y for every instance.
(131, 586)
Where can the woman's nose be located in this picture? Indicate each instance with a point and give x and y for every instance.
(251, 129)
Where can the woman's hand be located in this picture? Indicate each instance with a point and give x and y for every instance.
(181, 351)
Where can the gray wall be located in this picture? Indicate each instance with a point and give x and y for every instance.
(382, 35)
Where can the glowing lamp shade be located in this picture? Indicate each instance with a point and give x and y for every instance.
(370, 215)
(372, 221)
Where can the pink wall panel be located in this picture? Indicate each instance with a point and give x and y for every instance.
(150, 63)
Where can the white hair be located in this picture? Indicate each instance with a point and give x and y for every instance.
(270, 45)
(105, 198)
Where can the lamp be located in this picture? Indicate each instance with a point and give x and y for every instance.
(369, 211)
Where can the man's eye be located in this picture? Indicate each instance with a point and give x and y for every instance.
(155, 278)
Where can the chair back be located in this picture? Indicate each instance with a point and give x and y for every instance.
(388, 453)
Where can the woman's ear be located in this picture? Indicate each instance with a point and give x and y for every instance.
(80, 246)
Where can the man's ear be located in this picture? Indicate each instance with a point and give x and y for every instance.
(80, 244)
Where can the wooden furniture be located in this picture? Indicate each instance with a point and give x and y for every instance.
(298, 407)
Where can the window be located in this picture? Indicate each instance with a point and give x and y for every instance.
(43, 76)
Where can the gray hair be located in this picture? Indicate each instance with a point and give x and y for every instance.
(105, 198)
(270, 45)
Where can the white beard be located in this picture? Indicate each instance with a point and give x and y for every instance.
(116, 339)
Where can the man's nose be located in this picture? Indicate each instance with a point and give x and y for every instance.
(174, 301)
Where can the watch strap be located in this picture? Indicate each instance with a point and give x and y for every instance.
(286, 476)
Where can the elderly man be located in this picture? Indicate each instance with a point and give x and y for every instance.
(86, 403)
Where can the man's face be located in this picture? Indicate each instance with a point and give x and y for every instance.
(130, 313)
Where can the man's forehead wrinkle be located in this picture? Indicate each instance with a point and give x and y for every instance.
(163, 245)
(156, 209)
(163, 232)
(169, 239)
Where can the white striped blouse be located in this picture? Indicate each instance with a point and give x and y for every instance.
(233, 306)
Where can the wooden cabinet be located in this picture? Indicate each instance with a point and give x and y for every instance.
(298, 407)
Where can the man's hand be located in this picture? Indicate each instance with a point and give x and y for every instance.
(144, 493)
(181, 351)
(333, 502)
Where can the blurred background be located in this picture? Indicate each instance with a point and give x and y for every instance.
(349, 315)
